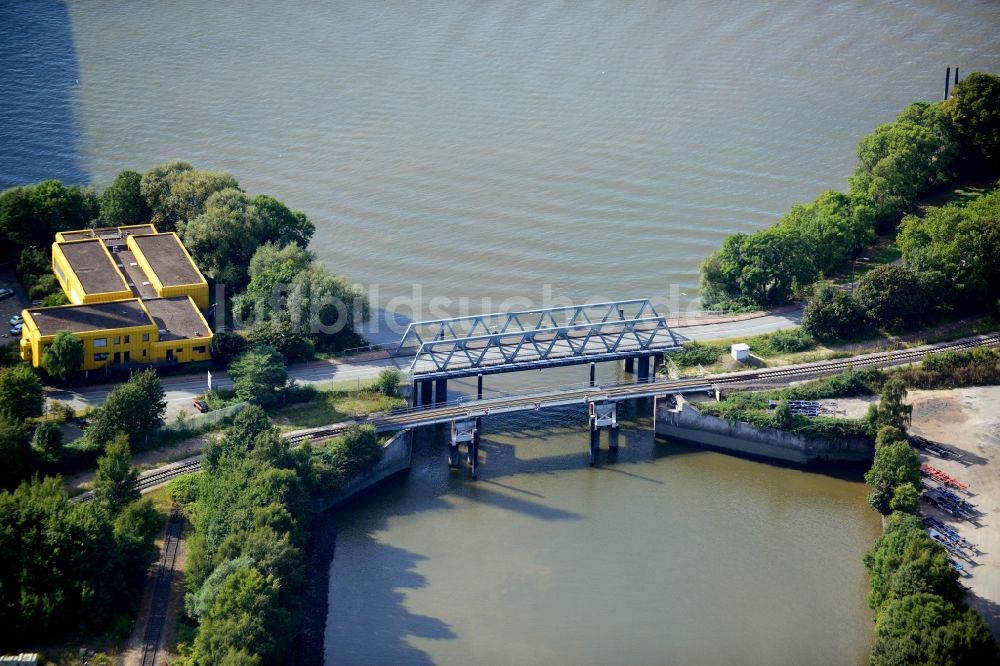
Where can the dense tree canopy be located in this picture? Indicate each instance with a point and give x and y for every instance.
(258, 375)
(974, 108)
(891, 296)
(956, 247)
(176, 193)
(135, 408)
(67, 566)
(122, 203)
(833, 314)
(897, 163)
(283, 226)
(895, 464)
(21, 394)
(925, 629)
(246, 560)
(31, 215)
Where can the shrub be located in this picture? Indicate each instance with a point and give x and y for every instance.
(833, 314)
(699, 353)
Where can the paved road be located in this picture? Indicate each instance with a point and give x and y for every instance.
(180, 391)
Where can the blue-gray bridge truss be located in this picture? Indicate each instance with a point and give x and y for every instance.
(529, 339)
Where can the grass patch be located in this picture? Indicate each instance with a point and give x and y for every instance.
(334, 406)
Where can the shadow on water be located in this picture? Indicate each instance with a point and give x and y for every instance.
(38, 74)
(386, 640)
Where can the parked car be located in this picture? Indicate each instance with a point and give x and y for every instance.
(15, 330)
(82, 423)
(6, 293)
(16, 320)
(201, 406)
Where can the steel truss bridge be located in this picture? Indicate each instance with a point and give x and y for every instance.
(534, 339)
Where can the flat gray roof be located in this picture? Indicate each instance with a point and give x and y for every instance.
(134, 275)
(95, 317)
(89, 260)
(178, 317)
(168, 260)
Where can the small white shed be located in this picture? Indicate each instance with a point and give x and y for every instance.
(740, 352)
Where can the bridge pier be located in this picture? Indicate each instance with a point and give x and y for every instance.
(593, 373)
(657, 362)
(440, 391)
(426, 392)
(479, 386)
(465, 432)
(642, 376)
(602, 415)
(630, 365)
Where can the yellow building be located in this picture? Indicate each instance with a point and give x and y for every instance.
(121, 332)
(136, 297)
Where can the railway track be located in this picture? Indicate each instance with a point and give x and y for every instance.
(160, 603)
(412, 417)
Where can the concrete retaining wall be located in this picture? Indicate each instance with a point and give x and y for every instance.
(685, 422)
(396, 457)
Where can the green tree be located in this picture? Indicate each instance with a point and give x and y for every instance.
(67, 566)
(975, 110)
(64, 357)
(833, 314)
(32, 214)
(888, 434)
(244, 615)
(892, 409)
(279, 332)
(895, 464)
(257, 375)
(388, 382)
(283, 225)
(116, 482)
(155, 406)
(891, 296)
(223, 238)
(953, 249)
(226, 346)
(176, 193)
(272, 269)
(21, 394)
(901, 160)
(926, 629)
(327, 308)
(122, 203)
(16, 459)
(905, 498)
(48, 440)
(136, 408)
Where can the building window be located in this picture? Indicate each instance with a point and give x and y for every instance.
(199, 350)
(100, 342)
(59, 271)
(145, 337)
(128, 339)
(101, 357)
(118, 339)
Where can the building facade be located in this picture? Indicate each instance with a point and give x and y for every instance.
(136, 297)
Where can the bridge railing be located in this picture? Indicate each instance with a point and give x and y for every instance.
(606, 337)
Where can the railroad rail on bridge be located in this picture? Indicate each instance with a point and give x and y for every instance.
(630, 330)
